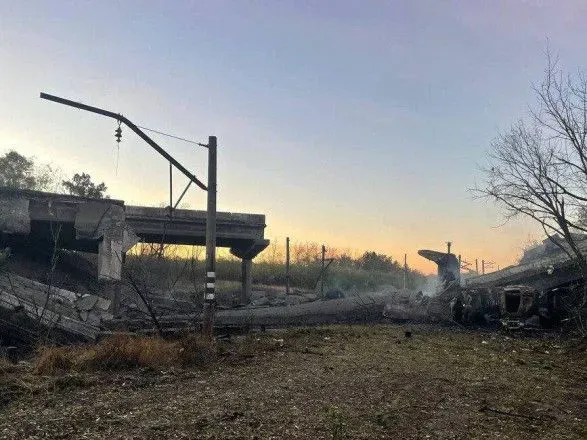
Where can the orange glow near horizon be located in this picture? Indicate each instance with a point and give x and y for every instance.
(340, 228)
(275, 252)
(358, 159)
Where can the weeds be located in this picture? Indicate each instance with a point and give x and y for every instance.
(334, 420)
(125, 352)
(6, 366)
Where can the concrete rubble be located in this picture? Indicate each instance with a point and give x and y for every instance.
(538, 292)
(528, 294)
(28, 307)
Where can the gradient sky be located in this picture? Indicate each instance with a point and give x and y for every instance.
(360, 124)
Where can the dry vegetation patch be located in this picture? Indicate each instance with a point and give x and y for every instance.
(339, 382)
(6, 366)
(125, 352)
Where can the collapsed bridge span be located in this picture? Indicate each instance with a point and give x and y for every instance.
(110, 228)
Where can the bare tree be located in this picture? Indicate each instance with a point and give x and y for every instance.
(538, 168)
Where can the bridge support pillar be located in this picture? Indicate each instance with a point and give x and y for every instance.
(110, 259)
(112, 291)
(246, 253)
(247, 280)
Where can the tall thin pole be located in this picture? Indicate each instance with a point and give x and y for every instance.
(483, 267)
(287, 266)
(405, 271)
(477, 265)
(209, 298)
(170, 189)
(322, 272)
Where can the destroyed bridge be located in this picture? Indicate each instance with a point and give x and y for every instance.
(110, 228)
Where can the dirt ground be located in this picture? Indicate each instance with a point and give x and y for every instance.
(325, 383)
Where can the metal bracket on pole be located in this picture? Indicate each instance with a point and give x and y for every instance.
(182, 194)
(130, 125)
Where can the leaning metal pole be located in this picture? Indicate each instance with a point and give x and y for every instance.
(209, 296)
(129, 124)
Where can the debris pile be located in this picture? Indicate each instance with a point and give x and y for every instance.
(28, 308)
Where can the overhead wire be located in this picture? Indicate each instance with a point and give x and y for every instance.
(173, 136)
(189, 141)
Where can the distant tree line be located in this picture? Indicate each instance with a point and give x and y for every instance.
(371, 261)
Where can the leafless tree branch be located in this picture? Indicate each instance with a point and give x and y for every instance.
(538, 168)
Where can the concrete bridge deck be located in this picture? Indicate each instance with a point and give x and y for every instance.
(242, 233)
(110, 228)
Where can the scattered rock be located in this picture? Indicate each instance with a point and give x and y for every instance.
(257, 294)
(86, 303)
(311, 297)
(263, 301)
(10, 353)
(334, 294)
(294, 300)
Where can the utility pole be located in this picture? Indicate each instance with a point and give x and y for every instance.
(170, 190)
(121, 118)
(405, 271)
(477, 265)
(483, 267)
(209, 297)
(322, 272)
(287, 266)
(448, 244)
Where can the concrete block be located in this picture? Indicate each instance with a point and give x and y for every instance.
(311, 297)
(86, 302)
(293, 300)
(14, 215)
(110, 260)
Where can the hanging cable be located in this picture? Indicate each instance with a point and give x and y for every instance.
(173, 136)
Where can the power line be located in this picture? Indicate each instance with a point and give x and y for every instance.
(174, 137)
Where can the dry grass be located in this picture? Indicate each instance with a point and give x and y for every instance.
(6, 366)
(125, 352)
(346, 382)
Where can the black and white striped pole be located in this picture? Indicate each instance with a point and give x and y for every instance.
(209, 295)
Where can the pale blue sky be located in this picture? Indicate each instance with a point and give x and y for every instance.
(356, 123)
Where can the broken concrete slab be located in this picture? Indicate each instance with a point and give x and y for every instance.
(292, 300)
(30, 307)
(14, 215)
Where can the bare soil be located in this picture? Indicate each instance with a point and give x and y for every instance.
(340, 382)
